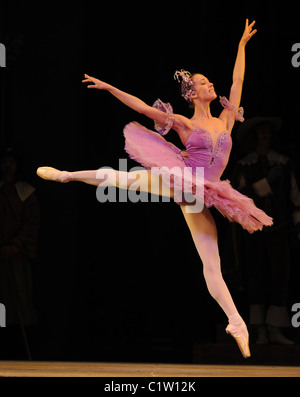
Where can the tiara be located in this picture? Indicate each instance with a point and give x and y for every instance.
(187, 85)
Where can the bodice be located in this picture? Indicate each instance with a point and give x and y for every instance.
(203, 152)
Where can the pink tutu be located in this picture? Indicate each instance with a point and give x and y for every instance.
(151, 150)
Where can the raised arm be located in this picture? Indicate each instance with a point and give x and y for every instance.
(238, 75)
(179, 122)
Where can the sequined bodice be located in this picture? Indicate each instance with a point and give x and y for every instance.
(203, 152)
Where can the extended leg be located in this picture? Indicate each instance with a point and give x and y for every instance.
(204, 234)
(141, 180)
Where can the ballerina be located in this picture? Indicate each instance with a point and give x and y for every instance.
(207, 140)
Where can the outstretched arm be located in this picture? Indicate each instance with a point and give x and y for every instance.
(129, 100)
(238, 75)
(136, 104)
(239, 67)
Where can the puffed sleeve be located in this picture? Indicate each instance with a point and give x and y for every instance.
(239, 113)
(167, 108)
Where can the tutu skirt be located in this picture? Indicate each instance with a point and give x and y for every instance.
(156, 154)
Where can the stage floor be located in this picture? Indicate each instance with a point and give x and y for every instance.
(83, 369)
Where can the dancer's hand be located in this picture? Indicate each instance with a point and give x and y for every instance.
(248, 33)
(100, 85)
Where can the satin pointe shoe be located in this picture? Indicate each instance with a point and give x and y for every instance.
(52, 174)
(240, 334)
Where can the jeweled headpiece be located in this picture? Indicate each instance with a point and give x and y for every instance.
(186, 84)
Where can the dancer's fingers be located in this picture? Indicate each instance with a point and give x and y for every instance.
(89, 77)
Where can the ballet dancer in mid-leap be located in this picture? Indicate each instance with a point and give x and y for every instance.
(208, 143)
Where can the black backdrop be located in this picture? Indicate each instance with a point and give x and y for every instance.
(121, 280)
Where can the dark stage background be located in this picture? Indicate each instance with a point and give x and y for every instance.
(123, 281)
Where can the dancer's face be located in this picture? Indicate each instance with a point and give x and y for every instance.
(203, 88)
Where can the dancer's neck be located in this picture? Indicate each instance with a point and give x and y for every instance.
(202, 110)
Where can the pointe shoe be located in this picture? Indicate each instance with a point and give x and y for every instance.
(241, 337)
(52, 174)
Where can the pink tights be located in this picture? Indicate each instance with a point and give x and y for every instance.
(201, 225)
